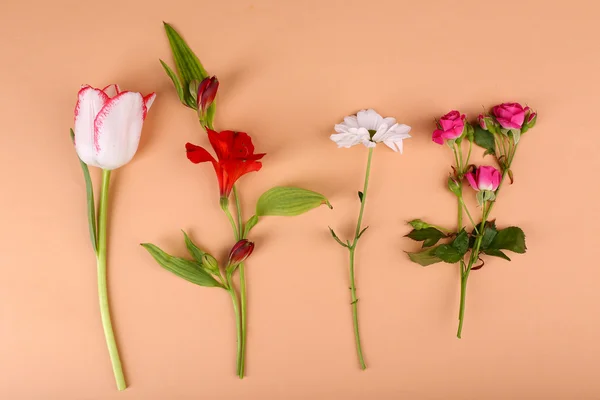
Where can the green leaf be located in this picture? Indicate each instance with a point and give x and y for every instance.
(89, 191)
(485, 139)
(496, 253)
(288, 201)
(511, 238)
(425, 257)
(461, 242)
(337, 239)
(175, 80)
(448, 253)
(361, 232)
(196, 252)
(252, 221)
(187, 64)
(188, 270)
(489, 233)
(360, 196)
(430, 236)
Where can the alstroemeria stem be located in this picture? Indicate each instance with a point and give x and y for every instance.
(238, 325)
(102, 284)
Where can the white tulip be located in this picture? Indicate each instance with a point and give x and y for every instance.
(108, 125)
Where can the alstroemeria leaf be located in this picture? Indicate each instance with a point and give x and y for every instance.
(187, 63)
(496, 253)
(289, 201)
(425, 257)
(89, 191)
(194, 250)
(252, 221)
(186, 269)
(485, 139)
(430, 236)
(175, 81)
(511, 238)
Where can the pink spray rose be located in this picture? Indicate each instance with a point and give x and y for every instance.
(510, 115)
(452, 127)
(484, 178)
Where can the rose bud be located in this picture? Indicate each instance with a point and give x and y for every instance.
(207, 90)
(530, 119)
(240, 251)
(484, 178)
(450, 127)
(509, 115)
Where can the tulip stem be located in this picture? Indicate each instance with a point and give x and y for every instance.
(102, 283)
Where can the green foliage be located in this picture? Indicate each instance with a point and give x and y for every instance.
(288, 201)
(430, 236)
(186, 269)
(425, 257)
(511, 238)
(485, 140)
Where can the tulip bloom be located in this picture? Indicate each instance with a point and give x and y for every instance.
(235, 157)
(484, 178)
(240, 252)
(108, 125)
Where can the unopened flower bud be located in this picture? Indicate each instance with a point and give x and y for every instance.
(454, 186)
(207, 90)
(240, 251)
(419, 224)
(530, 119)
(210, 263)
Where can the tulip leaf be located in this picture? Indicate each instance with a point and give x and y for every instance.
(430, 236)
(187, 63)
(425, 257)
(175, 80)
(91, 208)
(194, 250)
(511, 238)
(288, 201)
(186, 269)
(485, 140)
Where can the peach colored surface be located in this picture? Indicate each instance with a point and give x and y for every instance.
(288, 72)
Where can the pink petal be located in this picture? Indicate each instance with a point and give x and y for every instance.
(89, 103)
(471, 179)
(117, 130)
(437, 136)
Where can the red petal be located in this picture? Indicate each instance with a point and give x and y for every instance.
(197, 154)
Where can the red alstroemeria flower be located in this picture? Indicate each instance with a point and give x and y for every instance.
(235, 157)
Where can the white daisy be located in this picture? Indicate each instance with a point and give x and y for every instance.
(369, 128)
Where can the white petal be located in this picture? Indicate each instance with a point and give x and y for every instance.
(341, 128)
(351, 138)
(89, 103)
(381, 133)
(118, 127)
(112, 90)
(369, 119)
(351, 121)
(389, 121)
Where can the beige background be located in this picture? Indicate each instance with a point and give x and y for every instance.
(288, 72)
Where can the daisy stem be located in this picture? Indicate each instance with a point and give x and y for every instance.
(102, 284)
(352, 249)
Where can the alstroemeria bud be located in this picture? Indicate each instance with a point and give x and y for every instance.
(240, 251)
(210, 263)
(207, 90)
